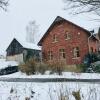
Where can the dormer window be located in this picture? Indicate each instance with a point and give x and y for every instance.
(55, 39)
(67, 36)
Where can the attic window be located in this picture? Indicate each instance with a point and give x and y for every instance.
(55, 38)
(67, 36)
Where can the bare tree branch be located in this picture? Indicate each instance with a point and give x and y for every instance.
(83, 6)
(4, 4)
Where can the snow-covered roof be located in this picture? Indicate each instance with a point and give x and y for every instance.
(29, 45)
(94, 30)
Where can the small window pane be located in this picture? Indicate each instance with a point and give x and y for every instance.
(62, 53)
(50, 55)
(67, 36)
(76, 52)
(55, 38)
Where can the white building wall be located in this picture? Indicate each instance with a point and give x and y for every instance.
(18, 58)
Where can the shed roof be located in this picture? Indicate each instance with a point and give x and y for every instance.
(29, 45)
(26, 45)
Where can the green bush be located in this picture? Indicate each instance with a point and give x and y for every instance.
(96, 68)
(88, 60)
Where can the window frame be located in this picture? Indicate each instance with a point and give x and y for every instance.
(76, 52)
(67, 35)
(55, 38)
(62, 53)
(50, 55)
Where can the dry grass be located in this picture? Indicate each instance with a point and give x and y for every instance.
(56, 67)
(76, 95)
(73, 68)
(59, 66)
(41, 67)
(33, 67)
(28, 67)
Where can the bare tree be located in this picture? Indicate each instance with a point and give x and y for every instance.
(31, 31)
(83, 6)
(4, 4)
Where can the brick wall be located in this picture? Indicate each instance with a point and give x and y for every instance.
(79, 38)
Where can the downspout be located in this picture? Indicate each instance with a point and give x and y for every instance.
(89, 41)
(97, 46)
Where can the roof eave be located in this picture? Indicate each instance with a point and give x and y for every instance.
(40, 42)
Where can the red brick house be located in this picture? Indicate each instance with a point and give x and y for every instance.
(67, 41)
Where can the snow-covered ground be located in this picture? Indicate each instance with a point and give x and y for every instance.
(4, 63)
(49, 90)
(64, 75)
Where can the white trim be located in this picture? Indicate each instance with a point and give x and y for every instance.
(76, 58)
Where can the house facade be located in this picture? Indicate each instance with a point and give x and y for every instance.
(66, 41)
(21, 51)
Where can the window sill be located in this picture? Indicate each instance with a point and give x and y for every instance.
(76, 58)
(62, 58)
(54, 41)
(67, 39)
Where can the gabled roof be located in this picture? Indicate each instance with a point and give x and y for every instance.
(27, 45)
(58, 20)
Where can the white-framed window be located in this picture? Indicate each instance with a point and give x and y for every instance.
(67, 35)
(76, 52)
(55, 38)
(62, 53)
(50, 55)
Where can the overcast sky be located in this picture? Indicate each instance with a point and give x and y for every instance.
(13, 22)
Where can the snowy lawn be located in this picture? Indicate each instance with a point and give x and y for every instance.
(48, 91)
(4, 63)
